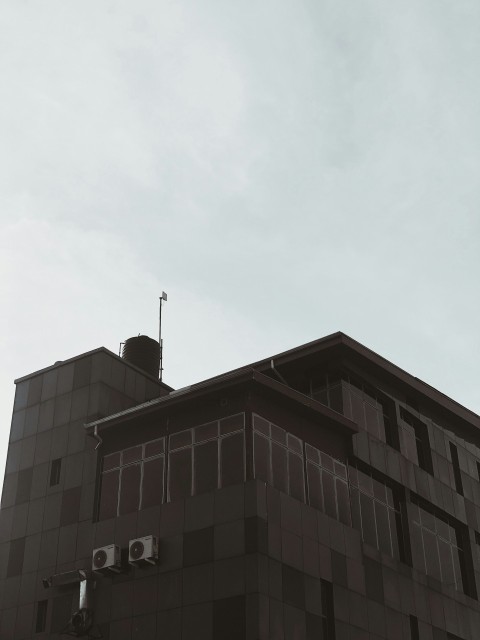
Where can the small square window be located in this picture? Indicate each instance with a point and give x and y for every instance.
(414, 632)
(55, 471)
(41, 622)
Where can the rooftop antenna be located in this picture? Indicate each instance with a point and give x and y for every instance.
(163, 298)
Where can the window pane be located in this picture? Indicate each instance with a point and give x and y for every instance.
(368, 520)
(371, 417)
(109, 495)
(312, 453)
(261, 456)
(408, 444)
(278, 434)
(357, 410)
(355, 504)
(457, 569)
(180, 439)
(395, 528)
(206, 432)
(279, 467)
(314, 486)
(232, 423)
(446, 562)
(232, 460)
(343, 502)
(294, 443)
(155, 448)
(329, 494)
(418, 557)
(431, 554)
(428, 520)
(336, 398)
(296, 477)
(132, 455)
(205, 467)
(340, 469)
(180, 474)
(379, 490)
(111, 461)
(327, 461)
(261, 425)
(443, 529)
(365, 483)
(383, 528)
(152, 487)
(129, 489)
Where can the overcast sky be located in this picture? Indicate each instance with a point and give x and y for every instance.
(282, 169)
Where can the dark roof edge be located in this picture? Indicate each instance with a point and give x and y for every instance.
(342, 339)
(90, 353)
(419, 385)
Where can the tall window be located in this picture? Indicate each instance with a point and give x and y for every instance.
(206, 457)
(437, 547)
(414, 442)
(41, 619)
(457, 474)
(369, 408)
(278, 458)
(326, 628)
(375, 512)
(328, 485)
(132, 479)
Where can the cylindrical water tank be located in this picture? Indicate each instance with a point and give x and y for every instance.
(144, 353)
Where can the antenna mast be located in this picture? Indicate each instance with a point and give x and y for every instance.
(162, 298)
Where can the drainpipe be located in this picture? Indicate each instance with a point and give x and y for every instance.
(97, 437)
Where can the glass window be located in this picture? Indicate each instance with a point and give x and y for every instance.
(261, 454)
(180, 474)
(205, 466)
(232, 453)
(132, 479)
(437, 546)
(296, 476)
(375, 511)
(206, 432)
(457, 474)
(232, 423)
(278, 458)
(134, 454)
(152, 485)
(55, 472)
(315, 489)
(129, 489)
(200, 459)
(155, 448)
(279, 467)
(327, 485)
(414, 441)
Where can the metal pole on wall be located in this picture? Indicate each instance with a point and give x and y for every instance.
(162, 298)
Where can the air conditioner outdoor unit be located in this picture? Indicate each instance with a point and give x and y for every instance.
(143, 550)
(105, 559)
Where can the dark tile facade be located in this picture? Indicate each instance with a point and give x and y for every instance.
(342, 505)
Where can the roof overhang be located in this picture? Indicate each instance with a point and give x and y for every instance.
(240, 379)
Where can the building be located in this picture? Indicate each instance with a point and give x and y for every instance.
(323, 493)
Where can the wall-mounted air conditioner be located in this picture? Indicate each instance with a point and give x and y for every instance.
(143, 550)
(106, 559)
